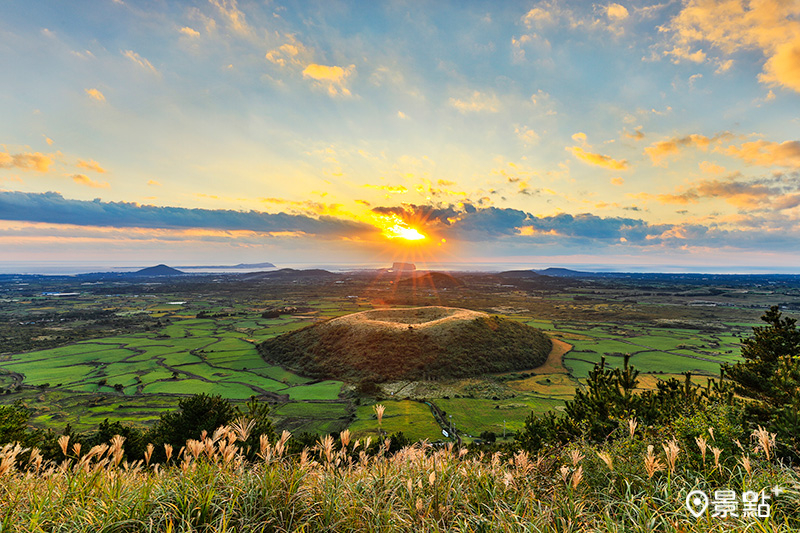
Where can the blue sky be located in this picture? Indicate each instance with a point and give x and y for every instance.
(572, 132)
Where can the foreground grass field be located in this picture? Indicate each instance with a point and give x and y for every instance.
(638, 484)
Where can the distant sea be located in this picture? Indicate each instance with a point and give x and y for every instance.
(72, 268)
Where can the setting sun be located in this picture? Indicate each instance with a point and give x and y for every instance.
(395, 227)
(403, 232)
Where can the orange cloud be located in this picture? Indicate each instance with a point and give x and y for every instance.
(234, 17)
(393, 189)
(91, 165)
(139, 60)
(476, 102)
(679, 53)
(32, 161)
(768, 154)
(307, 206)
(616, 12)
(599, 160)
(743, 195)
(333, 78)
(617, 181)
(96, 95)
(659, 151)
(526, 135)
(711, 168)
(291, 53)
(636, 135)
(82, 179)
(769, 26)
(189, 32)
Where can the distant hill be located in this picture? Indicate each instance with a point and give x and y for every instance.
(519, 274)
(158, 270)
(564, 273)
(242, 266)
(431, 280)
(291, 273)
(403, 266)
(416, 343)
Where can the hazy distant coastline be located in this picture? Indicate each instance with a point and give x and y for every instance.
(72, 268)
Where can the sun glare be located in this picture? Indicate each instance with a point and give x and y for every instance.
(400, 232)
(396, 228)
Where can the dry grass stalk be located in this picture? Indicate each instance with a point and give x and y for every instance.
(575, 456)
(632, 425)
(148, 453)
(63, 442)
(745, 460)
(607, 459)
(35, 460)
(671, 450)
(652, 464)
(379, 410)
(168, 451)
(8, 457)
(325, 447)
(195, 447)
(242, 427)
(711, 432)
(344, 436)
(577, 476)
(564, 471)
(264, 448)
(702, 443)
(765, 441)
(716, 451)
(116, 448)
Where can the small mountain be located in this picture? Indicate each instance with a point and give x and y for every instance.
(403, 266)
(291, 273)
(519, 274)
(254, 265)
(158, 270)
(563, 273)
(242, 266)
(431, 280)
(409, 344)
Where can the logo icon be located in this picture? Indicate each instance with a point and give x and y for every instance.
(697, 502)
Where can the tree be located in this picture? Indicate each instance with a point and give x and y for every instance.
(610, 398)
(134, 438)
(770, 375)
(768, 372)
(14, 424)
(195, 414)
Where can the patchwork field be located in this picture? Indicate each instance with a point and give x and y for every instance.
(192, 342)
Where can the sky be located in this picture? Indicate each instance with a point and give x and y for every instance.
(565, 133)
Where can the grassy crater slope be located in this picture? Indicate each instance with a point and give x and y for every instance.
(417, 343)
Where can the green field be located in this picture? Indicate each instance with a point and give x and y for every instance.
(135, 376)
(414, 419)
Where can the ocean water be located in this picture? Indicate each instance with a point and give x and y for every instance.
(77, 267)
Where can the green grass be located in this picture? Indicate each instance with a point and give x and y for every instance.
(672, 364)
(414, 419)
(312, 410)
(324, 390)
(476, 415)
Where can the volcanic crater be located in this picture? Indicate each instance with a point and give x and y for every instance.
(409, 343)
